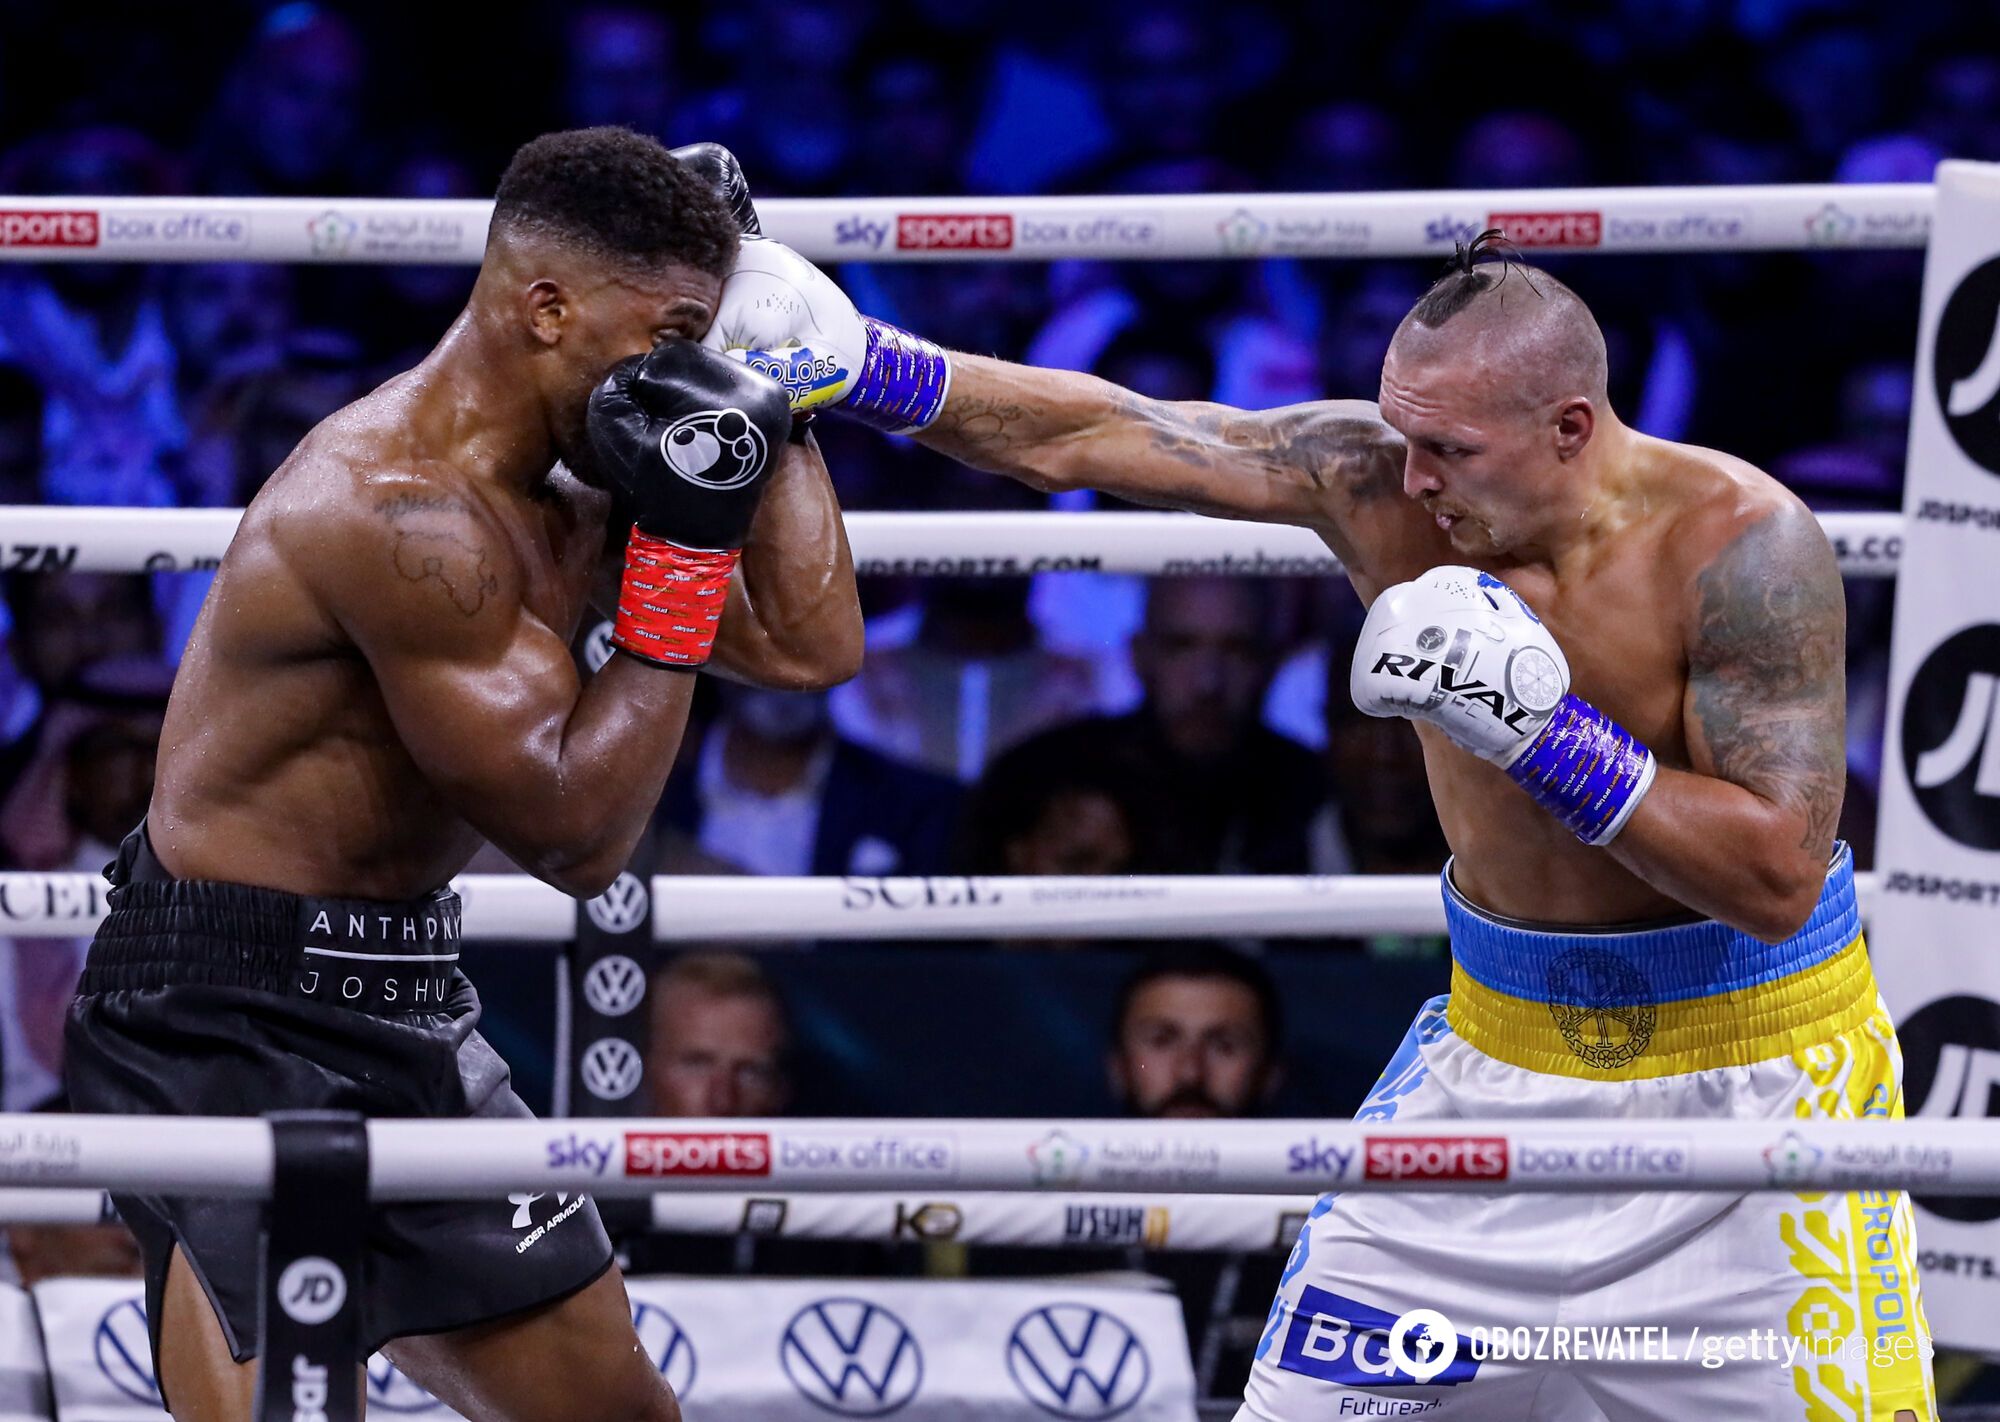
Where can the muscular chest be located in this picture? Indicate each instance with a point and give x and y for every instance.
(1623, 634)
(558, 535)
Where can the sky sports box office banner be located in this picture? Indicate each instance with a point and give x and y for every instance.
(1935, 930)
(777, 1350)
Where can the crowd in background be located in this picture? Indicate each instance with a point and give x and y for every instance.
(1072, 724)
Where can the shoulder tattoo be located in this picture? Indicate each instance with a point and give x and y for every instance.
(1769, 668)
(438, 542)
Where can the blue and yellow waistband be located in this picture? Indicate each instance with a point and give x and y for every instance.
(1620, 1004)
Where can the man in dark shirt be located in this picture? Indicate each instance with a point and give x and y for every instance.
(1240, 797)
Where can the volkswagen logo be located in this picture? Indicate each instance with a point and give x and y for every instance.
(852, 1357)
(124, 1352)
(1072, 1360)
(613, 986)
(620, 908)
(717, 449)
(667, 1344)
(611, 1068)
(391, 1390)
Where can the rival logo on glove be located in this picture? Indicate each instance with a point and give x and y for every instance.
(1517, 715)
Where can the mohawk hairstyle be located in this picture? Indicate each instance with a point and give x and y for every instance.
(616, 194)
(1468, 273)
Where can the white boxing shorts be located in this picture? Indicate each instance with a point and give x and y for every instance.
(1620, 1306)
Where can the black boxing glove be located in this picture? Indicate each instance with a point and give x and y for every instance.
(688, 439)
(725, 175)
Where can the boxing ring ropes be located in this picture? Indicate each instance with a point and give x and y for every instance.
(1234, 1185)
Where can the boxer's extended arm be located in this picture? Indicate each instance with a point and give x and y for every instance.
(484, 695)
(793, 621)
(1332, 466)
(1744, 837)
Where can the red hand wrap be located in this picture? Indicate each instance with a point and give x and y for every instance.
(671, 601)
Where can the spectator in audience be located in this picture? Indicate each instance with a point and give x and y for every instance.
(1198, 1033)
(66, 621)
(229, 322)
(776, 790)
(1380, 819)
(721, 1039)
(289, 117)
(86, 786)
(1240, 797)
(94, 334)
(1054, 806)
(961, 678)
(91, 775)
(319, 371)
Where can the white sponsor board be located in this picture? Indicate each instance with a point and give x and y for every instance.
(24, 1368)
(1937, 913)
(854, 1348)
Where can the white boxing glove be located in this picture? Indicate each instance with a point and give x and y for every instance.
(788, 319)
(1460, 649)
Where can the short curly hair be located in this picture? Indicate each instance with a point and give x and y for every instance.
(617, 194)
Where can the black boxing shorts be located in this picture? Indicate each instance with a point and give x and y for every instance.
(210, 999)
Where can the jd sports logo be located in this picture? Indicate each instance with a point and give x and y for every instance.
(1965, 365)
(1951, 736)
(311, 1290)
(1951, 1071)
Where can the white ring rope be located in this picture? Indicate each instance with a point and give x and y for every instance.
(1796, 217)
(1238, 1224)
(701, 908)
(44, 538)
(463, 1159)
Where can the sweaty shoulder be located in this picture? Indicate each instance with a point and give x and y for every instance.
(1729, 512)
(392, 545)
(1763, 581)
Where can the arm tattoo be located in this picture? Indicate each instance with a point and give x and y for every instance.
(442, 552)
(1314, 440)
(1768, 667)
(975, 430)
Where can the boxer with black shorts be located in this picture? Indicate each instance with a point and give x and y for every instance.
(380, 679)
